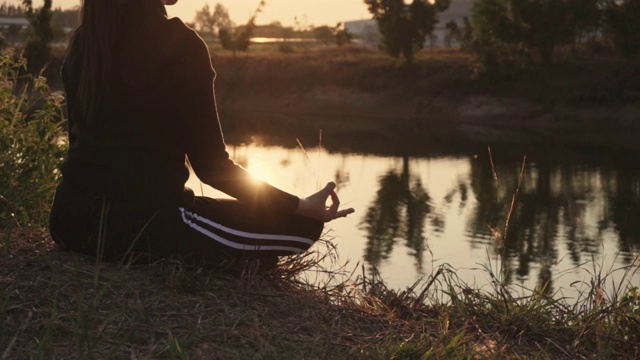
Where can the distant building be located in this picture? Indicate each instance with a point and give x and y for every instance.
(6, 22)
(11, 27)
(366, 31)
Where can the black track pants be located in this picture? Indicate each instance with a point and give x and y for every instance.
(211, 231)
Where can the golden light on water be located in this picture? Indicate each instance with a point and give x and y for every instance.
(453, 231)
(259, 168)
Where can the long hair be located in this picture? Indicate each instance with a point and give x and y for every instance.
(92, 50)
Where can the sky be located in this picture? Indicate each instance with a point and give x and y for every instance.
(309, 12)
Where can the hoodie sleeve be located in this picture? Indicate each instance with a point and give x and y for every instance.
(203, 137)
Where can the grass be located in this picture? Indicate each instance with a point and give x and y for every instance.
(31, 150)
(57, 304)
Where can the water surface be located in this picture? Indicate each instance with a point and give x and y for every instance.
(573, 215)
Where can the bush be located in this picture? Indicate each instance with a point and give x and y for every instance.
(510, 35)
(38, 55)
(621, 20)
(31, 143)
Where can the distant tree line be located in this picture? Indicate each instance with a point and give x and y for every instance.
(11, 10)
(61, 21)
(46, 25)
(66, 19)
(508, 34)
(217, 23)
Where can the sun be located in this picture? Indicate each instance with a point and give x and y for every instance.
(260, 170)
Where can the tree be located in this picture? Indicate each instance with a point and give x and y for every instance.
(338, 34)
(587, 17)
(221, 17)
(13, 33)
(204, 20)
(302, 28)
(287, 32)
(11, 10)
(342, 35)
(239, 38)
(271, 30)
(544, 24)
(466, 39)
(405, 27)
(462, 35)
(453, 33)
(621, 21)
(505, 30)
(37, 50)
(69, 18)
(210, 22)
(323, 34)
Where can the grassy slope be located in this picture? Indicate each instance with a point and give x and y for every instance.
(57, 304)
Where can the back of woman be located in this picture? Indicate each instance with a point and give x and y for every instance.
(140, 103)
(132, 144)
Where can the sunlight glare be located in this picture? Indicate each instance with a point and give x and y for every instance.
(260, 170)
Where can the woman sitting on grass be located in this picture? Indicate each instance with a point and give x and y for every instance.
(140, 102)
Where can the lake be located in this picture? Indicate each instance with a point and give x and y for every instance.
(575, 212)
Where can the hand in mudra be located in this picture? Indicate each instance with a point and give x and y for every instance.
(315, 206)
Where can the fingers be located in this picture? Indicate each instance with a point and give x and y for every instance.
(324, 212)
(340, 214)
(335, 202)
(343, 213)
(329, 188)
(333, 211)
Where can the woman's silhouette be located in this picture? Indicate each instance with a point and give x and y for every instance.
(141, 104)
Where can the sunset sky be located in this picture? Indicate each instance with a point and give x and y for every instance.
(317, 12)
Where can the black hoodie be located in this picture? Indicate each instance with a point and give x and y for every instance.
(161, 109)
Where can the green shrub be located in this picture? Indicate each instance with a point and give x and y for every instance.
(31, 143)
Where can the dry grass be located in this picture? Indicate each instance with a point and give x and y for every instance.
(57, 304)
(60, 305)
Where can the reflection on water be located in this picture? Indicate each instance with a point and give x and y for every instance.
(568, 210)
(397, 214)
(415, 213)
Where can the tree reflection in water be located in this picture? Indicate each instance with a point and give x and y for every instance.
(558, 205)
(398, 212)
(561, 208)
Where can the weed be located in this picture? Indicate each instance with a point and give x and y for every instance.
(31, 146)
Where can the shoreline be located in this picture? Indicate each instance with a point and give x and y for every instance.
(364, 101)
(436, 105)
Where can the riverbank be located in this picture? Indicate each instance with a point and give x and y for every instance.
(364, 101)
(57, 304)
